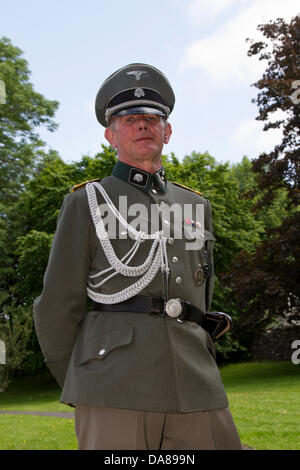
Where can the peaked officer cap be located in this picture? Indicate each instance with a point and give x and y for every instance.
(134, 89)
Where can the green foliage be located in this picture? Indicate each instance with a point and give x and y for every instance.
(99, 166)
(33, 253)
(16, 326)
(21, 113)
(40, 202)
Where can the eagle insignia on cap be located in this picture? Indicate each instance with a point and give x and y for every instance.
(139, 92)
(136, 73)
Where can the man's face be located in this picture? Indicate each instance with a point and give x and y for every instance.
(138, 137)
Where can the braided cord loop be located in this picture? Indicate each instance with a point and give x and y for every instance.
(157, 257)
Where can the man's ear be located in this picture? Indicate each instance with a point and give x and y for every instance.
(110, 136)
(168, 132)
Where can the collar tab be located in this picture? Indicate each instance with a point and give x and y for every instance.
(140, 178)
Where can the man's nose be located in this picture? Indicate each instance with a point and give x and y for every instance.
(142, 123)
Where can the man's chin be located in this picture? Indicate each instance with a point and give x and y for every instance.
(145, 144)
(148, 155)
(147, 148)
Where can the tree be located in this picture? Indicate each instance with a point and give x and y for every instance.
(22, 111)
(267, 282)
(16, 327)
(280, 168)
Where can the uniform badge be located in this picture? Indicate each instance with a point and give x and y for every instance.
(139, 92)
(202, 272)
(193, 223)
(199, 275)
(138, 178)
(136, 73)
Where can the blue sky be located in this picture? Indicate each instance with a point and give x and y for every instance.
(72, 46)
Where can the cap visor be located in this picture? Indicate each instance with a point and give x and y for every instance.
(139, 110)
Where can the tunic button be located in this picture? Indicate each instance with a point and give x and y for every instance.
(171, 241)
(154, 191)
(175, 259)
(101, 352)
(178, 280)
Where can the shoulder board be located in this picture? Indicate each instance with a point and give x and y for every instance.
(81, 185)
(185, 187)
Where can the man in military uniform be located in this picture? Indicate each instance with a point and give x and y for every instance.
(139, 367)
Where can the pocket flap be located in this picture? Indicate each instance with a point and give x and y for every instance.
(100, 346)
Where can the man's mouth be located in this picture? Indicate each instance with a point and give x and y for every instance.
(143, 139)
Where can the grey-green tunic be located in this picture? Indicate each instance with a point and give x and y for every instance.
(146, 362)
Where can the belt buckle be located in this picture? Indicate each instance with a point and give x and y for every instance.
(174, 308)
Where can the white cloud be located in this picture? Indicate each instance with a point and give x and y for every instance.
(250, 135)
(201, 11)
(223, 55)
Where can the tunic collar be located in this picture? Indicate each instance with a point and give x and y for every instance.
(141, 179)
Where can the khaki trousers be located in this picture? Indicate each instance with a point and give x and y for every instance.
(120, 429)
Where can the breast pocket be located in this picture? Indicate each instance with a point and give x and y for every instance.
(100, 346)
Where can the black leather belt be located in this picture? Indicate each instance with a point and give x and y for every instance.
(175, 308)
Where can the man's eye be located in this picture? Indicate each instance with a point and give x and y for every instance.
(129, 119)
(152, 119)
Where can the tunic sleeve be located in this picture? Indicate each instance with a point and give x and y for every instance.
(61, 308)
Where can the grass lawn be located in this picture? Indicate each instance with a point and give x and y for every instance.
(264, 400)
(23, 432)
(38, 393)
